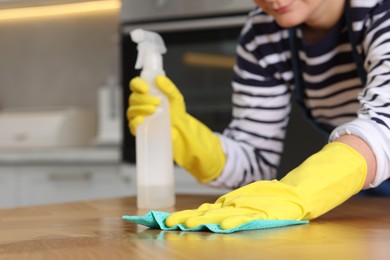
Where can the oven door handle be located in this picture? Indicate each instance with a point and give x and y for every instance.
(186, 25)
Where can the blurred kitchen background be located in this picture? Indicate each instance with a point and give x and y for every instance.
(64, 72)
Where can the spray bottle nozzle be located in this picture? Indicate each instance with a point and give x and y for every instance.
(150, 48)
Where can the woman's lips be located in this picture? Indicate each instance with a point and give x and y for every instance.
(284, 9)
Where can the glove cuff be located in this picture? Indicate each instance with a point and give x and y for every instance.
(329, 177)
(197, 149)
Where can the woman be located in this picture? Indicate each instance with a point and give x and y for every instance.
(334, 58)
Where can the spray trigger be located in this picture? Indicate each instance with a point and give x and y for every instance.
(150, 48)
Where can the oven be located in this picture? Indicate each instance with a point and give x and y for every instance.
(200, 37)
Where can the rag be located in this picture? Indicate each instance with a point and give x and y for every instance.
(156, 220)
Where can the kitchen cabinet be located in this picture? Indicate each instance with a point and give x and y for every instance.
(53, 184)
(31, 178)
(8, 185)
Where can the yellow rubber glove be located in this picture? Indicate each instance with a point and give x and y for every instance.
(322, 182)
(195, 147)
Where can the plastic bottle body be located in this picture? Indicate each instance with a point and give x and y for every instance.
(154, 157)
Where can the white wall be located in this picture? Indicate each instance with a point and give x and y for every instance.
(59, 61)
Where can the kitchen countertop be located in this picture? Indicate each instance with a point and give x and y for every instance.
(100, 155)
(358, 229)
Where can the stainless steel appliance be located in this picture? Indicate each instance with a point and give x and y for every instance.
(200, 37)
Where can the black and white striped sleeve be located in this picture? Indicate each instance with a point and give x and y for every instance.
(373, 122)
(253, 141)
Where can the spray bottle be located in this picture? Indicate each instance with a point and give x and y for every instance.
(154, 162)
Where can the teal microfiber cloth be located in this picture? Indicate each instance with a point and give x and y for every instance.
(156, 220)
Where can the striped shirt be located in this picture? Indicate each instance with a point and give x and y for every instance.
(333, 93)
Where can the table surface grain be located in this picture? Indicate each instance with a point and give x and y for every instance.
(358, 229)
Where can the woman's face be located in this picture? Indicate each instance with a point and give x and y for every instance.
(289, 13)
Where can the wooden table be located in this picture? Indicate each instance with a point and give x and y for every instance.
(359, 229)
